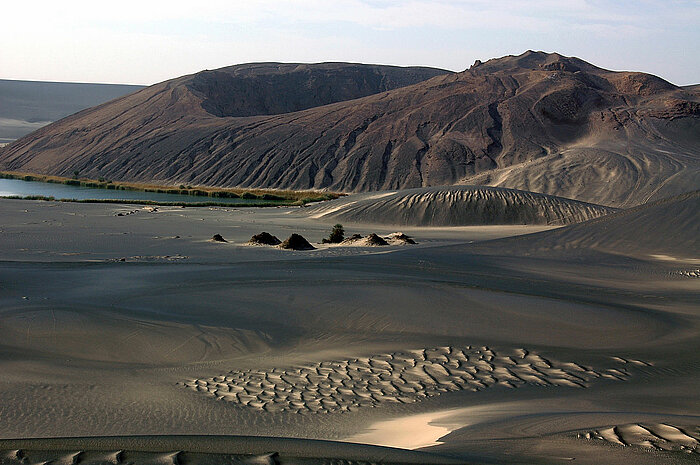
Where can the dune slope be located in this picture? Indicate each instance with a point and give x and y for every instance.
(251, 450)
(457, 206)
(667, 229)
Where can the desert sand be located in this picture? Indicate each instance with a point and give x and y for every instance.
(138, 338)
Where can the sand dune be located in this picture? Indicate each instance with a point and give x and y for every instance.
(659, 436)
(205, 450)
(667, 230)
(590, 337)
(457, 206)
(119, 339)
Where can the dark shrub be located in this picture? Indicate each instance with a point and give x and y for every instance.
(337, 234)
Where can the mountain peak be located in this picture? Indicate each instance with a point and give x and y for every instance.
(534, 61)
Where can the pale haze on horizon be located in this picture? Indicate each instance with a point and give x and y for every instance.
(150, 41)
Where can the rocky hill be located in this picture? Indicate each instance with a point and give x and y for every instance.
(537, 122)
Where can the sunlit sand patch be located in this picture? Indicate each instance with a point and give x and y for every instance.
(399, 377)
(640, 363)
(426, 429)
(686, 273)
(328, 211)
(656, 436)
(411, 432)
(669, 258)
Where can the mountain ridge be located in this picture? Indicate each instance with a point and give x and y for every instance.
(537, 122)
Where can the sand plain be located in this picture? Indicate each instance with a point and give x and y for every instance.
(140, 326)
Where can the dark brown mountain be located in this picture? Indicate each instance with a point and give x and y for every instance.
(274, 88)
(538, 122)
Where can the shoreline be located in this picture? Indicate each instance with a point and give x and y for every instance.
(298, 197)
(280, 203)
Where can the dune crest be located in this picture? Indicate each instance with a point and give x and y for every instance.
(655, 436)
(457, 206)
(667, 230)
(205, 450)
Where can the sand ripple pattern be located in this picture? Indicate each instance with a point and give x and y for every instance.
(658, 436)
(687, 273)
(400, 377)
(458, 206)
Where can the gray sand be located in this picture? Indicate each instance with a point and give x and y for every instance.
(141, 325)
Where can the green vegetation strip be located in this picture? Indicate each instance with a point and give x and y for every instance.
(153, 202)
(273, 197)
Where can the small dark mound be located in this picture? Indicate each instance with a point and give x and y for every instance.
(373, 239)
(296, 242)
(401, 237)
(218, 238)
(264, 238)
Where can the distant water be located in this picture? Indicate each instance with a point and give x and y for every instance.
(16, 187)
